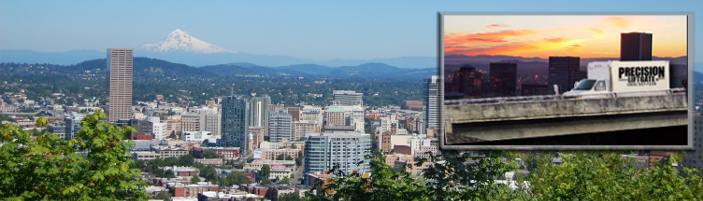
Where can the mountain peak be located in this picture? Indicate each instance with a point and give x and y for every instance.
(180, 41)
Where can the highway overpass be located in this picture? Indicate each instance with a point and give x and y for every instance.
(480, 120)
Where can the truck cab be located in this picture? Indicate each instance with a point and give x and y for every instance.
(588, 88)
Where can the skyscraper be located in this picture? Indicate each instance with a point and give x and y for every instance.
(234, 122)
(119, 83)
(635, 46)
(346, 148)
(504, 77)
(281, 124)
(259, 112)
(433, 111)
(342, 97)
(564, 72)
(469, 81)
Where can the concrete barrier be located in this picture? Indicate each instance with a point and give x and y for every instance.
(472, 113)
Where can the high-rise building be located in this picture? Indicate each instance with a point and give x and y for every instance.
(119, 83)
(564, 72)
(73, 124)
(504, 77)
(635, 46)
(348, 148)
(433, 92)
(281, 125)
(234, 122)
(259, 111)
(335, 116)
(344, 97)
(694, 158)
(467, 80)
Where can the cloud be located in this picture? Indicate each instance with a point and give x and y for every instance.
(597, 31)
(506, 49)
(557, 43)
(497, 26)
(574, 47)
(488, 37)
(619, 22)
(555, 40)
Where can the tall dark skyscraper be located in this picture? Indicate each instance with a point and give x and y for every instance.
(635, 46)
(564, 72)
(467, 80)
(235, 132)
(504, 77)
(119, 83)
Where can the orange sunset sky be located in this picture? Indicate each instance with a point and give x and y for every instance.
(586, 36)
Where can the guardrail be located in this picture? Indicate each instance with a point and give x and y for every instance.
(561, 97)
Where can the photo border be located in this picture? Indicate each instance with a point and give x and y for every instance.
(690, 54)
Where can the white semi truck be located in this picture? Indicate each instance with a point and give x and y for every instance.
(623, 78)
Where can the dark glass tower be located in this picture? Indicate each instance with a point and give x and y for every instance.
(504, 77)
(234, 122)
(636, 46)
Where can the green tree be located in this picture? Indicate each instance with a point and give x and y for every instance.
(288, 158)
(607, 176)
(210, 154)
(280, 157)
(209, 173)
(250, 159)
(169, 174)
(265, 173)
(163, 195)
(285, 180)
(195, 179)
(235, 178)
(49, 167)
(290, 197)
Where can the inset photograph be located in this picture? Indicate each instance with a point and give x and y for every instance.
(565, 81)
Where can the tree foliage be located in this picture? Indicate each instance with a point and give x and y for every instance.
(265, 172)
(50, 168)
(234, 178)
(607, 176)
(210, 154)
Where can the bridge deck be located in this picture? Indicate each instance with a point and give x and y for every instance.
(512, 120)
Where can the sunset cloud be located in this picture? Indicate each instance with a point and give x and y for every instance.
(597, 31)
(489, 37)
(497, 26)
(619, 22)
(555, 43)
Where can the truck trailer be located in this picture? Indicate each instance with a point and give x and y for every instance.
(623, 78)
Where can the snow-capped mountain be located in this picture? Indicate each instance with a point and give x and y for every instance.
(180, 41)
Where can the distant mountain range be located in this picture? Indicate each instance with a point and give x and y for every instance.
(180, 47)
(368, 70)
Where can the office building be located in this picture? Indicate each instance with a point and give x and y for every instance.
(294, 111)
(324, 150)
(694, 158)
(344, 97)
(234, 122)
(73, 124)
(119, 83)
(335, 116)
(281, 125)
(467, 80)
(635, 46)
(504, 77)
(564, 72)
(259, 111)
(433, 94)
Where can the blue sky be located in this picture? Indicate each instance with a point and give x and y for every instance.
(318, 30)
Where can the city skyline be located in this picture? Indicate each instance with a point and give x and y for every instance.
(542, 36)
